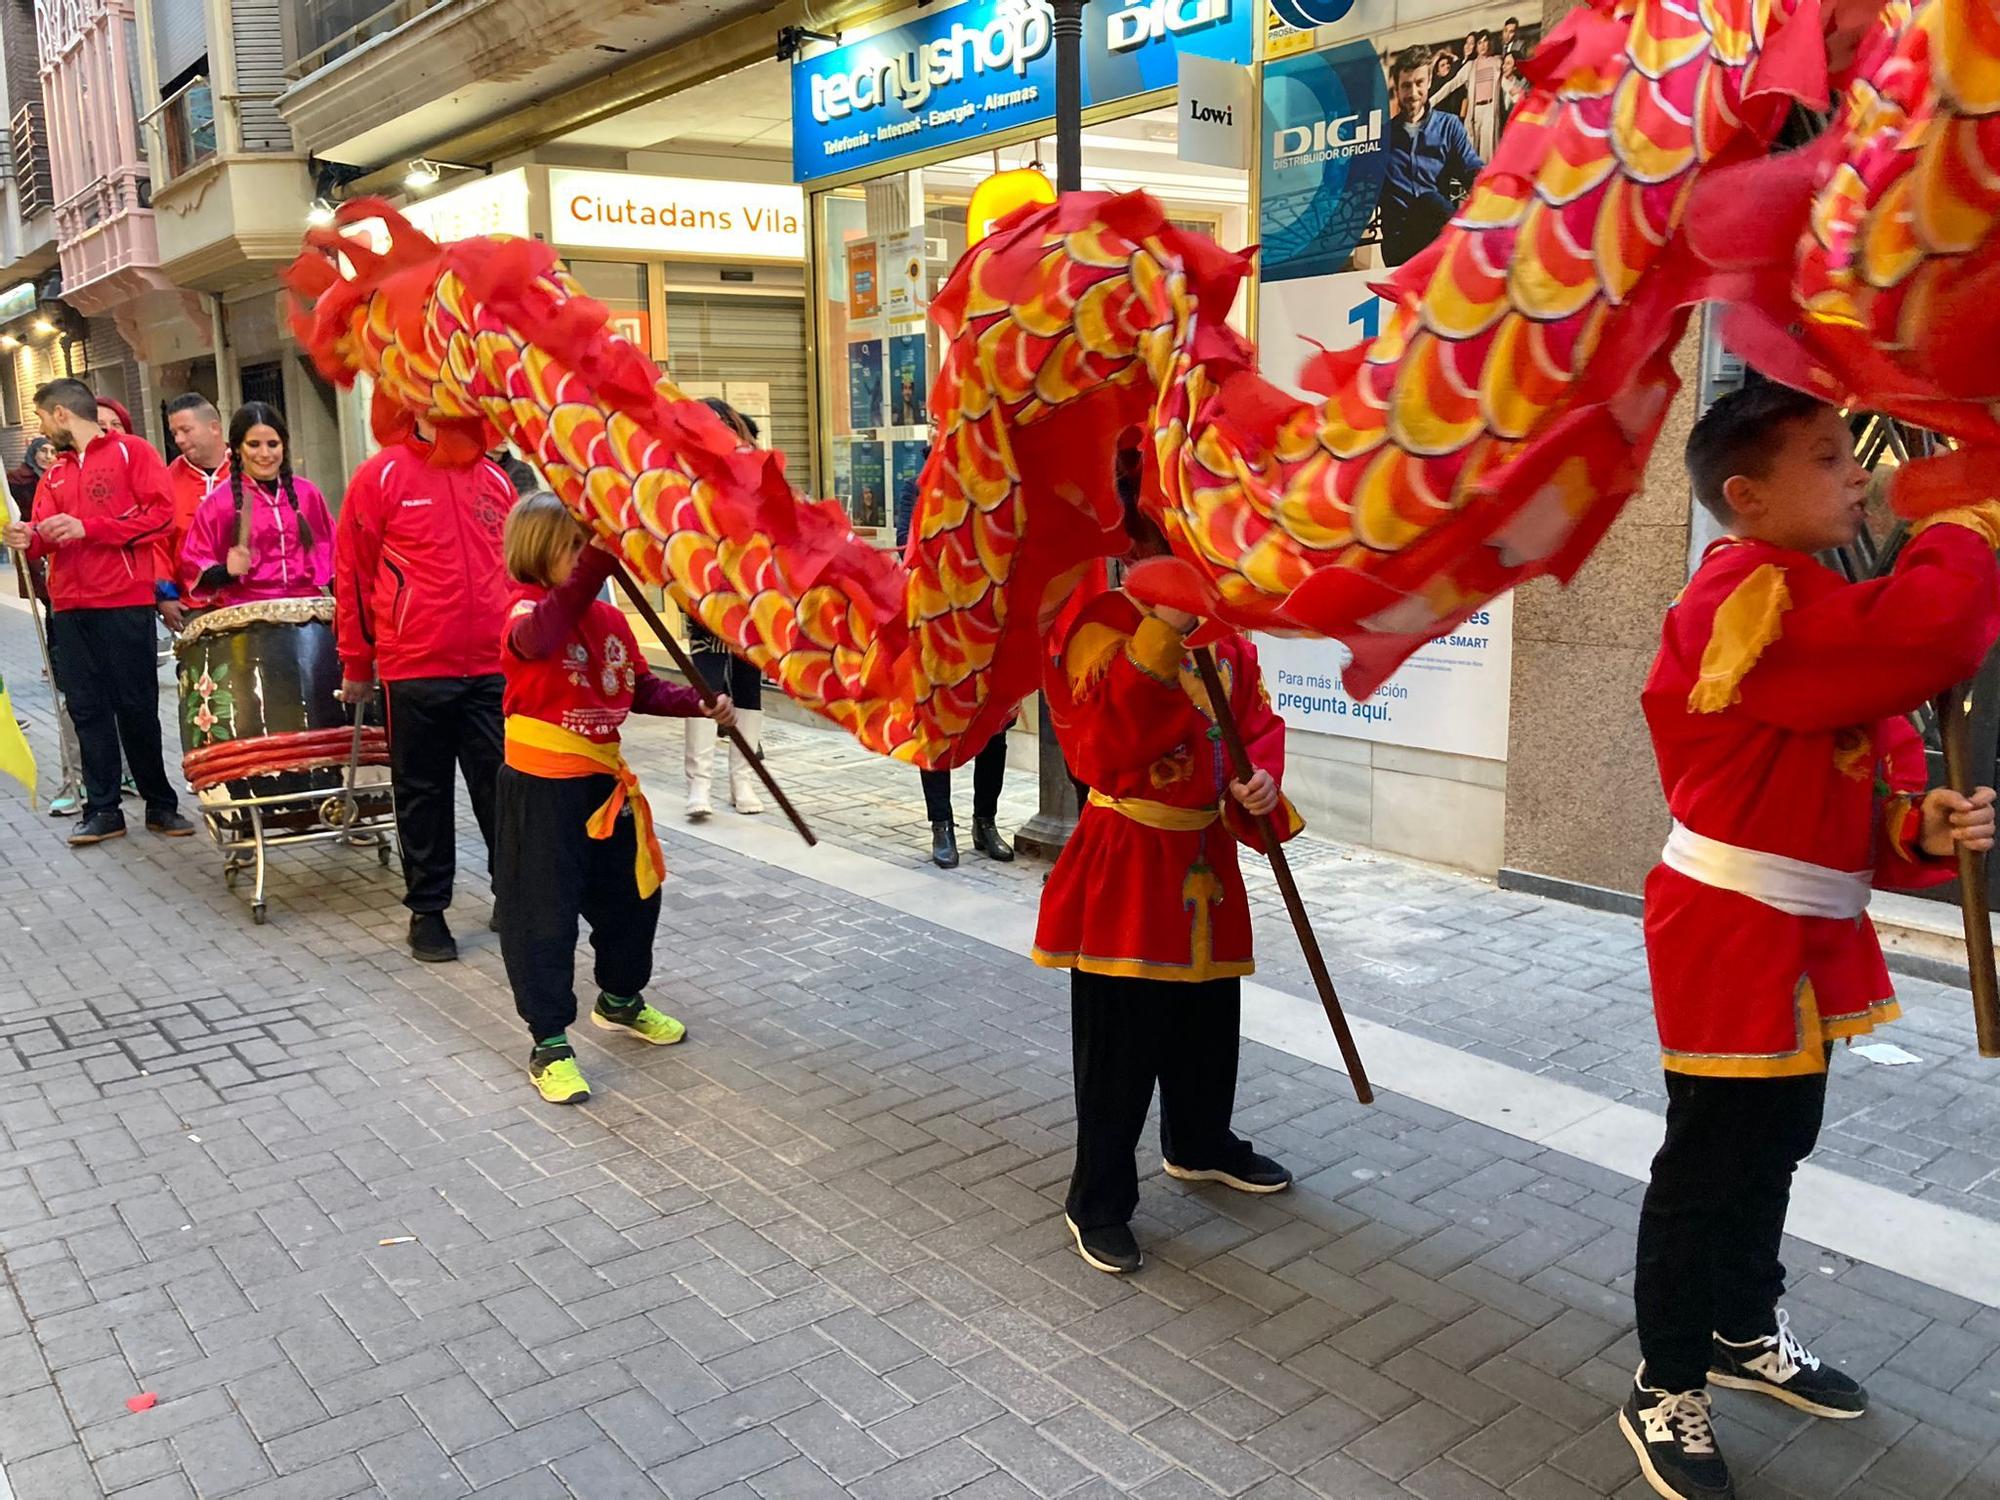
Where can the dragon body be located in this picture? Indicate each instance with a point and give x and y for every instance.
(1489, 434)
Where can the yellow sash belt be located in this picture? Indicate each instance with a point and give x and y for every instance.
(539, 748)
(1159, 815)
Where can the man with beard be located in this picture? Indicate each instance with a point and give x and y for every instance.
(99, 521)
(1431, 162)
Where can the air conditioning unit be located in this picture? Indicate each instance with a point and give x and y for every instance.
(934, 248)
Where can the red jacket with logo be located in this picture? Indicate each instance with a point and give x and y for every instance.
(119, 490)
(191, 485)
(419, 584)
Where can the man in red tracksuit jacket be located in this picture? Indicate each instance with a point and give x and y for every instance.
(422, 598)
(98, 521)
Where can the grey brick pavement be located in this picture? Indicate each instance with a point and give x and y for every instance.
(1542, 986)
(815, 1251)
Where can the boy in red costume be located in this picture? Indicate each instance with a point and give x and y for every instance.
(1146, 907)
(1777, 706)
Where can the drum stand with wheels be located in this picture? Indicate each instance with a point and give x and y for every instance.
(356, 816)
(366, 821)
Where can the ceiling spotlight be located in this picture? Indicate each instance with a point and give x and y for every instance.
(8, 341)
(44, 327)
(320, 215)
(422, 176)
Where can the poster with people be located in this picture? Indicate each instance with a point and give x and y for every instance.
(1373, 139)
(907, 395)
(1373, 142)
(864, 385)
(869, 478)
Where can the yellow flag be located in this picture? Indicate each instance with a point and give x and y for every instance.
(16, 759)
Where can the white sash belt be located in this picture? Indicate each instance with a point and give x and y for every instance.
(1789, 885)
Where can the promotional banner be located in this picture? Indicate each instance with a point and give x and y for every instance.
(986, 66)
(1368, 151)
(1451, 696)
(1326, 152)
(864, 385)
(908, 392)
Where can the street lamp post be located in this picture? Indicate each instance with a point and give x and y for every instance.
(1050, 828)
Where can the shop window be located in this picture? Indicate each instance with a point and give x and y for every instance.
(621, 287)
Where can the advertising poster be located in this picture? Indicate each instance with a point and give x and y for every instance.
(864, 385)
(869, 478)
(906, 464)
(905, 296)
(1452, 695)
(907, 385)
(1369, 151)
(864, 281)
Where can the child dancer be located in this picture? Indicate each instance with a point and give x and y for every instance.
(1794, 783)
(1146, 907)
(574, 834)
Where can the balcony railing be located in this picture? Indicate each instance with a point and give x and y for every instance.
(329, 29)
(184, 125)
(30, 142)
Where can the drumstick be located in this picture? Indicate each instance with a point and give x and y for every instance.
(700, 684)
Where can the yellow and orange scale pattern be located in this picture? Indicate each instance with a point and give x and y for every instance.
(1887, 246)
(1490, 433)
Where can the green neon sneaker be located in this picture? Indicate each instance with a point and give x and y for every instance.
(636, 1018)
(556, 1075)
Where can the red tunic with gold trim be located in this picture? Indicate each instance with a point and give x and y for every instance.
(1148, 886)
(1776, 706)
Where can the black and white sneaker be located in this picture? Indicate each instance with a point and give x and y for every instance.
(1674, 1439)
(1252, 1174)
(1781, 1367)
(1112, 1249)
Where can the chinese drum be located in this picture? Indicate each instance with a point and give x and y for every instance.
(259, 709)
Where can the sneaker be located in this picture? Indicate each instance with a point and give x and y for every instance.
(1112, 1249)
(127, 787)
(638, 1019)
(97, 827)
(1674, 1438)
(431, 941)
(556, 1076)
(169, 825)
(66, 803)
(1254, 1174)
(1784, 1369)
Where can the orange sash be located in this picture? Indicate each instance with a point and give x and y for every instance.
(536, 747)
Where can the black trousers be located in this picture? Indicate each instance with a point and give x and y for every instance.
(1714, 1216)
(547, 872)
(726, 672)
(106, 666)
(436, 723)
(1126, 1035)
(989, 770)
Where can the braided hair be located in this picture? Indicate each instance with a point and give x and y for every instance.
(261, 414)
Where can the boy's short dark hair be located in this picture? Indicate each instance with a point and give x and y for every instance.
(72, 396)
(1734, 436)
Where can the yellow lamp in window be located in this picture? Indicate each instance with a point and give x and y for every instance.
(1002, 193)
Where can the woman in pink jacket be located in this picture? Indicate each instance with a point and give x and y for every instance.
(290, 540)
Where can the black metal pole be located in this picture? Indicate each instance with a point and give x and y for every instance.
(1050, 828)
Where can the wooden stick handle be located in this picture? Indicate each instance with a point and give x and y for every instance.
(700, 684)
(1274, 832)
(1972, 888)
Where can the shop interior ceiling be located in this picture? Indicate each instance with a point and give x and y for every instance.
(749, 109)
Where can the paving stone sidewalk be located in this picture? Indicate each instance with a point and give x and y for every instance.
(1543, 986)
(815, 1251)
